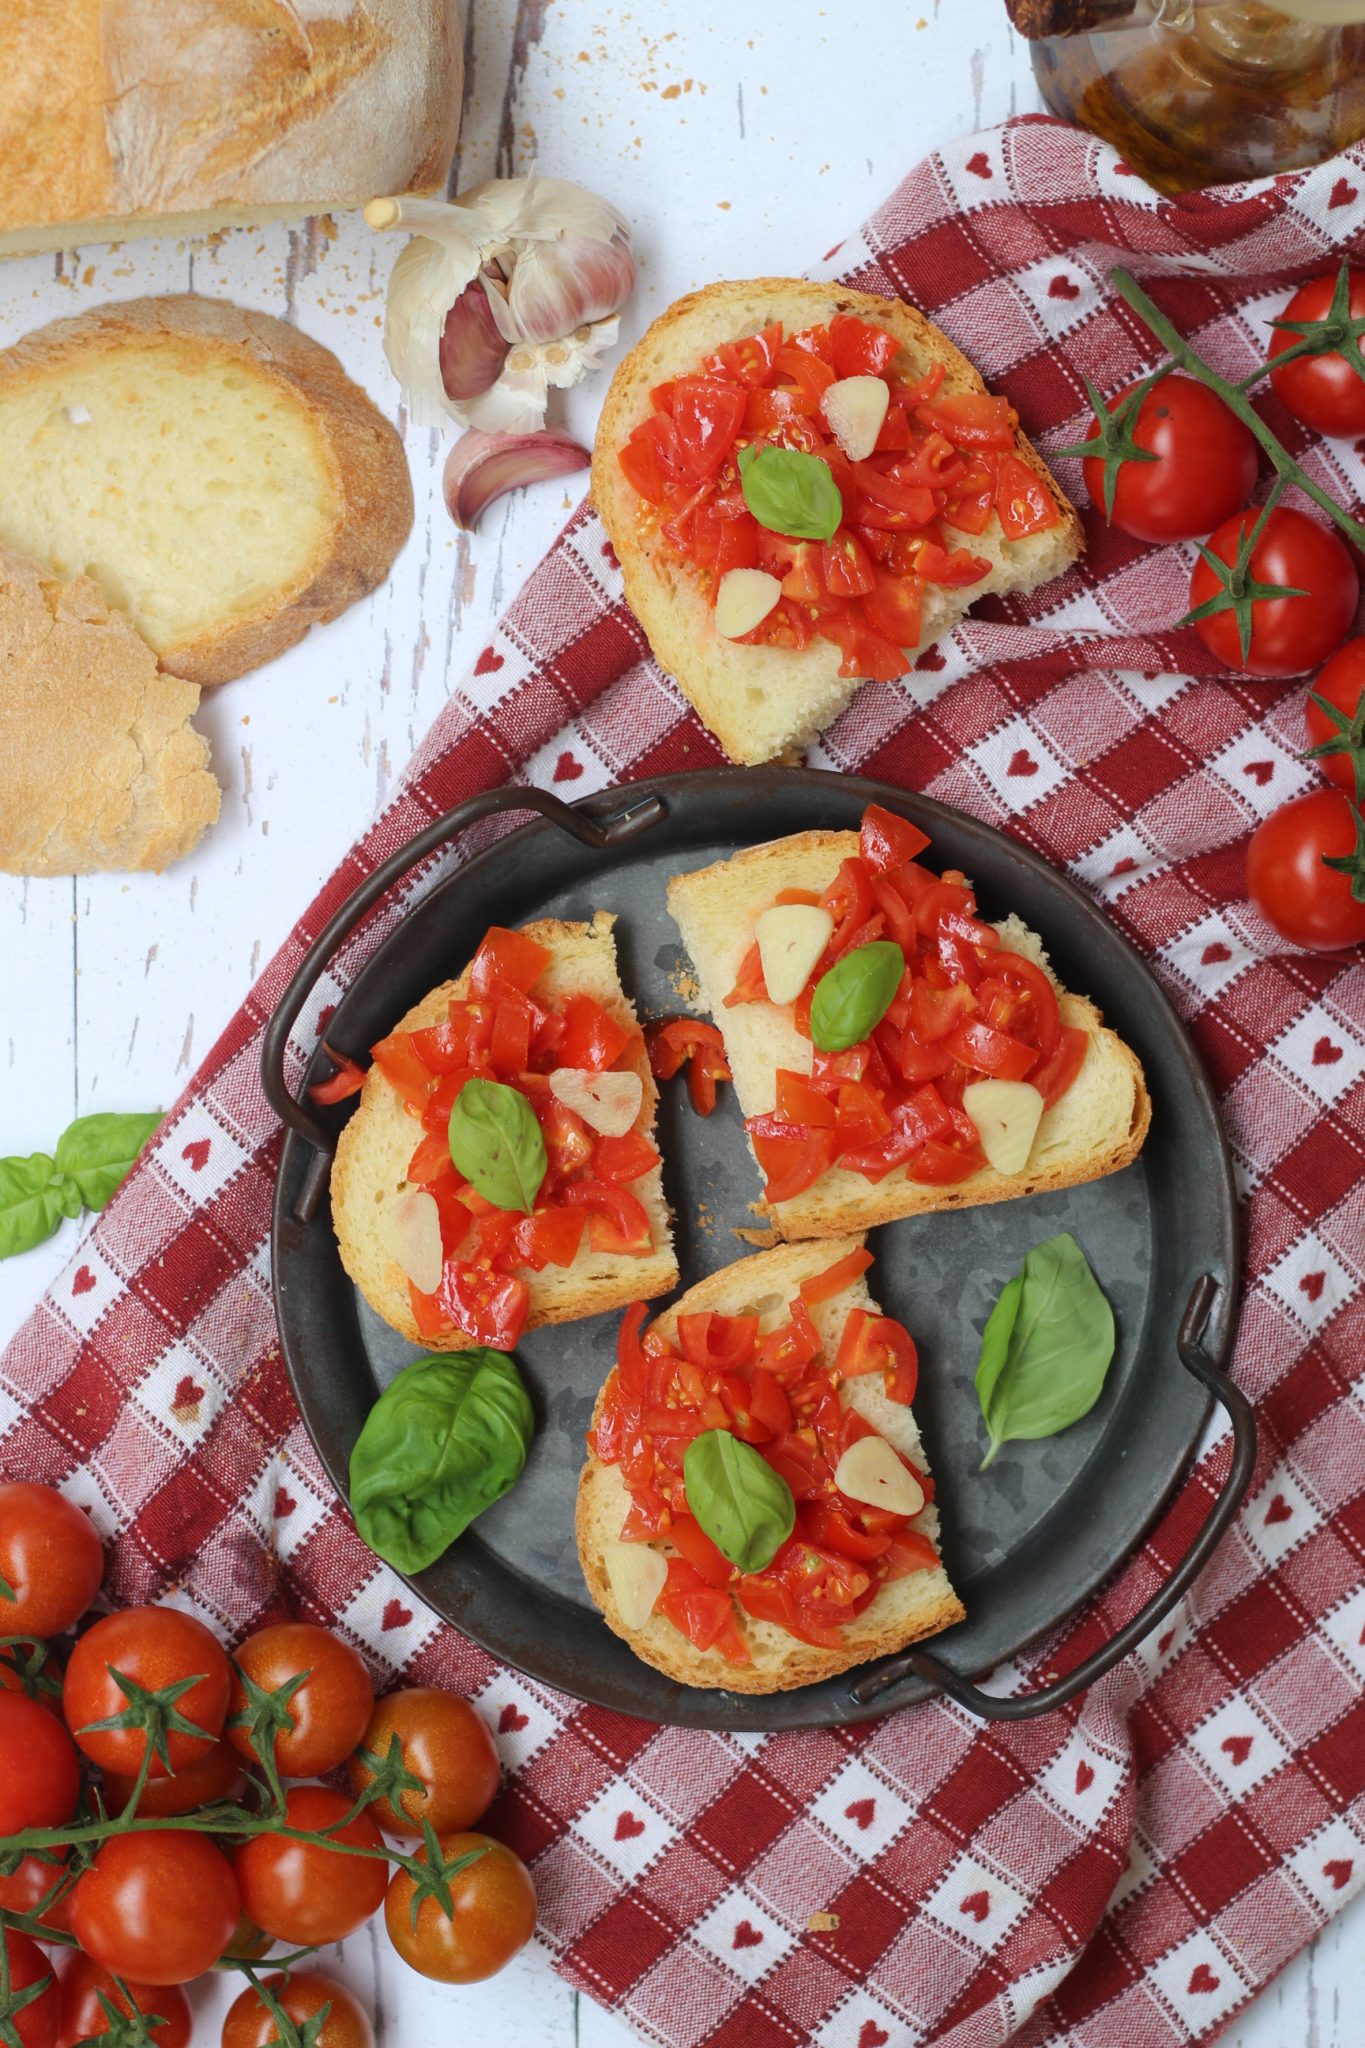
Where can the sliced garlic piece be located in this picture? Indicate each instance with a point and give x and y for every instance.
(1006, 1115)
(744, 598)
(636, 1575)
(791, 937)
(607, 1103)
(412, 1237)
(854, 409)
(870, 1471)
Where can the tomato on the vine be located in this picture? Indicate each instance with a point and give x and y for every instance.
(28, 1884)
(1287, 634)
(83, 2018)
(1204, 471)
(156, 1908)
(494, 1917)
(1289, 881)
(329, 1709)
(215, 1775)
(1326, 392)
(154, 1647)
(40, 1778)
(35, 2022)
(51, 1559)
(447, 1744)
(302, 1892)
(1341, 685)
(251, 2024)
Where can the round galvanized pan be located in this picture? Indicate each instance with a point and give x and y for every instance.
(1025, 1541)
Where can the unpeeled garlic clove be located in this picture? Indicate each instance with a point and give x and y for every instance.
(481, 467)
(471, 350)
(557, 286)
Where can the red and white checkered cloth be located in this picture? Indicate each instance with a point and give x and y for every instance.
(1126, 1873)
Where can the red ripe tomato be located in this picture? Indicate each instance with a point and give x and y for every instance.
(488, 1306)
(34, 2023)
(495, 1915)
(1342, 684)
(251, 2024)
(28, 1884)
(1288, 634)
(83, 2018)
(1305, 901)
(215, 1775)
(50, 1558)
(446, 1744)
(330, 1708)
(156, 1908)
(1205, 467)
(40, 1778)
(1326, 392)
(155, 1647)
(301, 1892)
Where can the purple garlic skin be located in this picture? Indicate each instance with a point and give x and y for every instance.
(482, 467)
(558, 286)
(471, 352)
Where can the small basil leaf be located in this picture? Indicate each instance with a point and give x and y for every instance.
(1046, 1347)
(98, 1152)
(34, 1197)
(743, 1505)
(790, 492)
(496, 1143)
(851, 1000)
(444, 1440)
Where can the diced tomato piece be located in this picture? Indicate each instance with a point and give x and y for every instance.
(403, 1070)
(799, 1103)
(593, 1038)
(1047, 1018)
(1023, 500)
(717, 1343)
(707, 415)
(624, 1158)
(859, 349)
(848, 900)
(1058, 1070)
(825, 1286)
(789, 1349)
(862, 1116)
(649, 458)
(878, 1344)
(767, 414)
(893, 436)
(949, 568)
(431, 1161)
(433, 1324)
(758, 1407)
(703, 1613)
(909, 1551)
(802, 581)
(689, 1038)
(489, 1306)
(348, 1079)
(686, 1534)
(894, 607)
(507, 960)
(568, 1141)
(617, 1220)
(509, 1053)
(701, 1087)
(833, 1528)
(442, 1048)
(751, 360)
(985, 1050)
(891, 503)
(736, 547)
(792, 1156)
(970, 419)
(750, 986)
(551, 1237)
(939, 1165)
(887, 841)
(769, 1599)
(811, 373)
(454, 1213)
(845, 568)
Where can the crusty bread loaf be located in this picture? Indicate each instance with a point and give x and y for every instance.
(1097, 1126)
(99, 764)
(215, 471)
(920, 1604)
(764, 701)
(376, 1145)
(135, 117)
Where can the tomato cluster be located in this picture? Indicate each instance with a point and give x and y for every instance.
(942, 461)
(966, 1007)
(152, 1720)
(779, 1392)
(1306, 861)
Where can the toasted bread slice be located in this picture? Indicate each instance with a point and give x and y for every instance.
(762, 702)
(378, 1142)
(918, 1605)
(1097, 1127)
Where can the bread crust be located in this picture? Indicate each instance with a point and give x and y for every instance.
(357, 447)
(373, 1152)
(903, 1612)
(762, 702)
(715, 909)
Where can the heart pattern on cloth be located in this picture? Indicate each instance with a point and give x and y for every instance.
(186, 1399)
(489, 662)
(1312, 1285)
(931, 658)
(395, 1615)
(628, 1826)
(1343, 192)
(1063, 288)
(870, 2035)
(1326, 1052)
(1259, 771)
(1278, 1511)
(980, 167)
(197, 1153)
(510, 1720)
(83, 1281)
(1123, 867)
(1085, 1775)
(1163, 1643)
(861, 1811)
(1203, 1979)
(978, 1904)
(746, 1935)
(1238, 1747)
(1022, 763)
(567, 769)
(1215, 953)
(1339, 1870)
(285, 1504)
(610, 555)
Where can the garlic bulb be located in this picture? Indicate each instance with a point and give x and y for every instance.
(502, 295)
(481, 467)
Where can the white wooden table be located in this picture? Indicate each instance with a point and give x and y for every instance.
(738, 140)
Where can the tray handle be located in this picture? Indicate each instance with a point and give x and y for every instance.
(923, 1665)
(634, 813)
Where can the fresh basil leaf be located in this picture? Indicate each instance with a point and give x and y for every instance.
(496, 1143)
(444, 1440)
(1046, 1347)
(743, 1505)
(34, 1197)
(790, 492)
(851, 1000)
(99, 1152)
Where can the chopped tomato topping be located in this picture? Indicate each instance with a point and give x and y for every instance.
(842, 1274)
(690, 1042)
(348, 1079)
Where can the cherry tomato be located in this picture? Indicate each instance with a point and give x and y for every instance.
(1325, 392)
(1342, 684)
(215, 1775)
(11, 1678)
(50, 1557)
(155, 1647)
(251, 2024)
(159, 1907)
(330, 1708)
(35, 2023)
(301, 1892)
(83, 2018)
(495, 1915)
(1304, 900)
(28, 1884)
(1288, 634)
(446, 1744)
(1205, 467)
(40, 1777)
